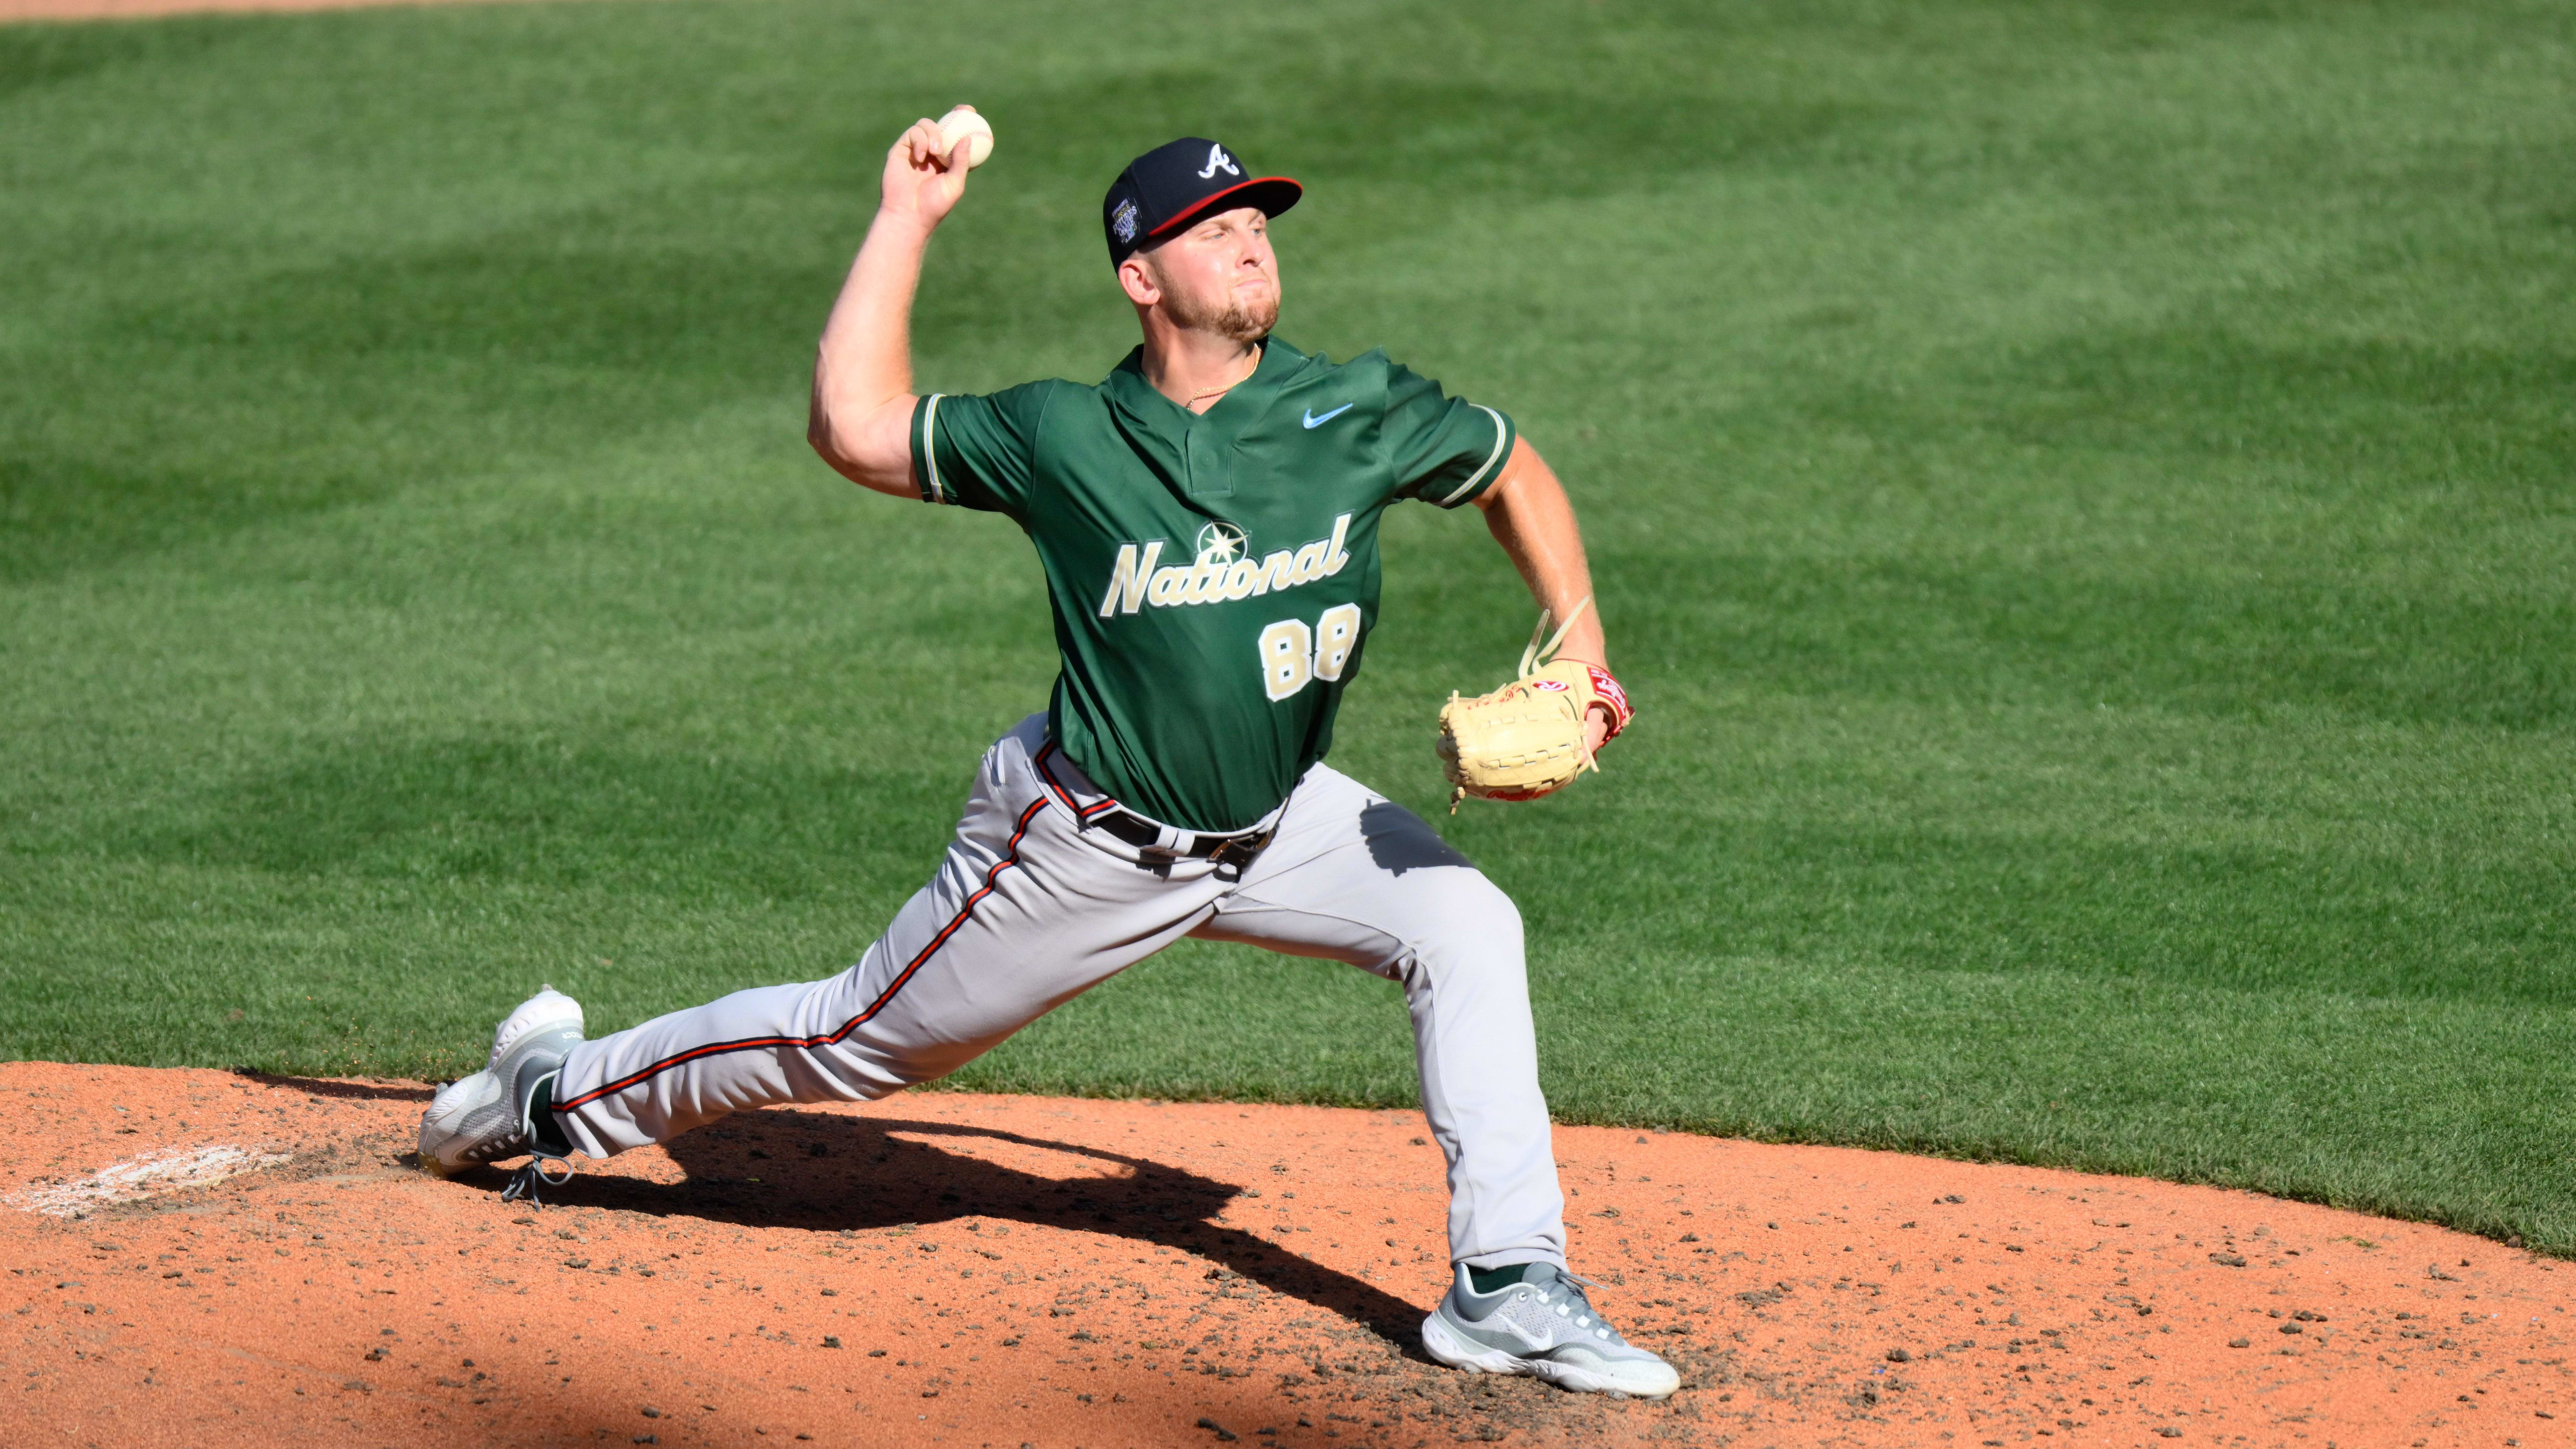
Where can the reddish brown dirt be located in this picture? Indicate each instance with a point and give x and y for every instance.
(952, 1269)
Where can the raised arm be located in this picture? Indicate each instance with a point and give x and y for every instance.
(1530, 516)
(862, 407)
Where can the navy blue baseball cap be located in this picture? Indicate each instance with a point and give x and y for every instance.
(1174, 185)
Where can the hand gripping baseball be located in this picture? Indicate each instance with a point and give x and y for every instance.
(925, 172)
(1528, 738)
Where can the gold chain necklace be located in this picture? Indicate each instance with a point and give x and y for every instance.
(1191, 405)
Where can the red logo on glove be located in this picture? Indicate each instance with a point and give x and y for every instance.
(1611, 694)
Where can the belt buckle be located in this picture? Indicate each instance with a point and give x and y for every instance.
(1242, 850)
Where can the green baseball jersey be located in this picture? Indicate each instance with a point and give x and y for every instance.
(1214, 576)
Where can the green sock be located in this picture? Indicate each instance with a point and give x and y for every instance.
(548, 1132)
(1494, 1280)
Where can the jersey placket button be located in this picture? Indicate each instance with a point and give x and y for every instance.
(1209, 475)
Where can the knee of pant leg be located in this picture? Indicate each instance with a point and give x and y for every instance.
(1473, 924)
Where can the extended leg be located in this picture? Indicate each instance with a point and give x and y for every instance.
(1024, 915)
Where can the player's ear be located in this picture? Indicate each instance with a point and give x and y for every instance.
(1136, 278)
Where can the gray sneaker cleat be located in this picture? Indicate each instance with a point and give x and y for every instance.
(1543, 1326)
(547, 1007)
(493, 1114)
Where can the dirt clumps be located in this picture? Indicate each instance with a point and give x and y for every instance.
(203, 1258)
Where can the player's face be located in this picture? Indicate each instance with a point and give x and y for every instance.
(1221, 276)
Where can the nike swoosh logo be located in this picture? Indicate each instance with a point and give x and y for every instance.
(1313, 421)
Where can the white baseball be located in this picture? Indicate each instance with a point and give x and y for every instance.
(962, 124)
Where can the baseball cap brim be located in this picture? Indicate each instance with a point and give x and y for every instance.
(1273, 194)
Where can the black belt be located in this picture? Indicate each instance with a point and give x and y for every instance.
(1234, 850)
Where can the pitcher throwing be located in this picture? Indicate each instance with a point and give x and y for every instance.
(1207, 517)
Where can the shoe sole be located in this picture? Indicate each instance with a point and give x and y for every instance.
(1447, 1347)
(448, 1133)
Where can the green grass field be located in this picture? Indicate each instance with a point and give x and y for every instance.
(2082, 494)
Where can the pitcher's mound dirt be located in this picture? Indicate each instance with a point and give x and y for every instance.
(198, 1258)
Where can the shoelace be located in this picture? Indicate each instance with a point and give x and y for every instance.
(1578, 1307)
(524, 1183)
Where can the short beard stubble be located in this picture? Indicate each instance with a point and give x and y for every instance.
(1234, 321)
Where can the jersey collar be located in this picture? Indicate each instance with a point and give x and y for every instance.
(1134, 396)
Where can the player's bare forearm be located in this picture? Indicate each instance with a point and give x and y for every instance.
(862, 403)
(1532, 519)
(1530, 516)
(861, 410)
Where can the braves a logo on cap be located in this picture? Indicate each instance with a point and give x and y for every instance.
(1122, 220)
(1218, 161)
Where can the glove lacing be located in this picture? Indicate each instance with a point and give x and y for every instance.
(1537, 654)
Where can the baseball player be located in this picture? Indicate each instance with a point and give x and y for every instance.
(1207, 518)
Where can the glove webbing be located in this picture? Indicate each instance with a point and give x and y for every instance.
(1533, 657)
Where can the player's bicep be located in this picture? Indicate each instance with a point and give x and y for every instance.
(873, 450)
(1520, 464)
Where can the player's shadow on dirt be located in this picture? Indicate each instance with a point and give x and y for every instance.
(830, 1171)
(353, 1091)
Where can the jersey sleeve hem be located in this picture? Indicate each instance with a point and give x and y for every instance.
(1483, 477)
(925, 451)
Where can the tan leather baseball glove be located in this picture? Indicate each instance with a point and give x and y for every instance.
(1526, 739)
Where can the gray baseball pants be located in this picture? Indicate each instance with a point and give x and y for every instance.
(1032, 907)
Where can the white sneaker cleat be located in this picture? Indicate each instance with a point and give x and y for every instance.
(1545, 1327)
(493, 1113)
(547, 1007)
